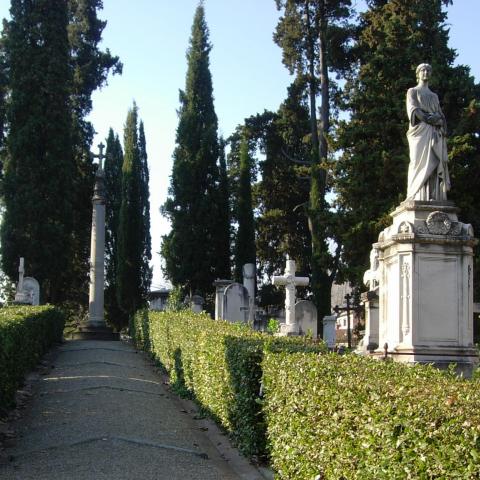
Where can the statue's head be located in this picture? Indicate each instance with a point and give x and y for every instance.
(423, 67)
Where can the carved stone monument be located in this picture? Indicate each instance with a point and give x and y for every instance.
(28, 288)
(290, 281)
(249, 284)
(94, 327)
(330, 331)
(425, 258)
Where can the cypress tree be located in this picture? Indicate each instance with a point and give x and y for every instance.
(371, 174)
(130, 228)
(39, 168)
(146, 271)
(245, 238)
(191, 259)
(113, 193)
(91, 67)
(223, 269)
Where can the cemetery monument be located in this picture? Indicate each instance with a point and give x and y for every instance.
(425, 258)
(94, 327)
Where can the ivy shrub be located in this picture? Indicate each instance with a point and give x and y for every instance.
(351, 417)
(217, 363)
(26, 333)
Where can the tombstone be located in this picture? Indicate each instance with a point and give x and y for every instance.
(28, 288)
(306, 318)
(330, 331)
(249, 284)
(235, 303)
(32, 288)
(370, 302)
(290, 281)
(220, 286)
(196, 303)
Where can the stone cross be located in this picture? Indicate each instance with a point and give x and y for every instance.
(290, 281)
(100, 155)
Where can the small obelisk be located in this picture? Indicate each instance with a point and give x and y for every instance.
(94, 328)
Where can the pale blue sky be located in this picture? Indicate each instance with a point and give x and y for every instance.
(151, 38)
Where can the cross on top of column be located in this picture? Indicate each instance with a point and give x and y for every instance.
(100, 155)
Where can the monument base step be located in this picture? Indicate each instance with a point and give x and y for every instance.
(95, 333)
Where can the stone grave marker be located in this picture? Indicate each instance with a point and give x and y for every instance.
(32, 288)
(306, 318)
(330, 331)
(235, 303)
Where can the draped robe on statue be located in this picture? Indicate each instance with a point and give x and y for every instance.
(428, 177)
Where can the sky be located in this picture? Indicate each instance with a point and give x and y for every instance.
(151, 38)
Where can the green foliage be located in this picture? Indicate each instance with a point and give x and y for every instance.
(26, 333)
(245, 237)
(39, 167)
(394, 37)
(113, 194)
(357, 418)
(133, 272)
(315, 40)
(218, 363)
(175, 301)
(273, 326)
(195, 251)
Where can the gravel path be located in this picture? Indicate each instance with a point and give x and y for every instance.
(102, 412)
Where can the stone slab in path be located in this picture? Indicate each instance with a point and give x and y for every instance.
(103, 412)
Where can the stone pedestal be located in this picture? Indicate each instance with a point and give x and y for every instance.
(426, 286)
(370, 302)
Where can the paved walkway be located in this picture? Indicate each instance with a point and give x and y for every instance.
(102, 412)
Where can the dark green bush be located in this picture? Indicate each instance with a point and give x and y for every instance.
(219, 364)
(26, 333)
(350, 417)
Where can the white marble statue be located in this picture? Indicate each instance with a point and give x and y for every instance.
(371, 277)
(428, 177)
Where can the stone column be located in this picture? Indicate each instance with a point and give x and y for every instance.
(249, 284)
(97, 254)
(94, 327)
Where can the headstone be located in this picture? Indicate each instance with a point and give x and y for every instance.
(32, 288)
(220, 286)
(196, 303)
(235, 303)
(369, 300)
(290, 281)
(306, 318)
(330, 331)
(249, 284)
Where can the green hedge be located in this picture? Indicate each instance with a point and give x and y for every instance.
(350, 417)
(26, 333)
(218, 363)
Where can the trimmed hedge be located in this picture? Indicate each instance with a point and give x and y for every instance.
(350, 417)
(219, 364)
(26, 333)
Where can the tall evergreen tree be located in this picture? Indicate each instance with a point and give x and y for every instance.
(371, 175)
(91, 67)
(113, 194)
(39, 168)
(191, 259)
(245, 237)
(146, 270)
(314, 37)
(223, 269)
(130, 229)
